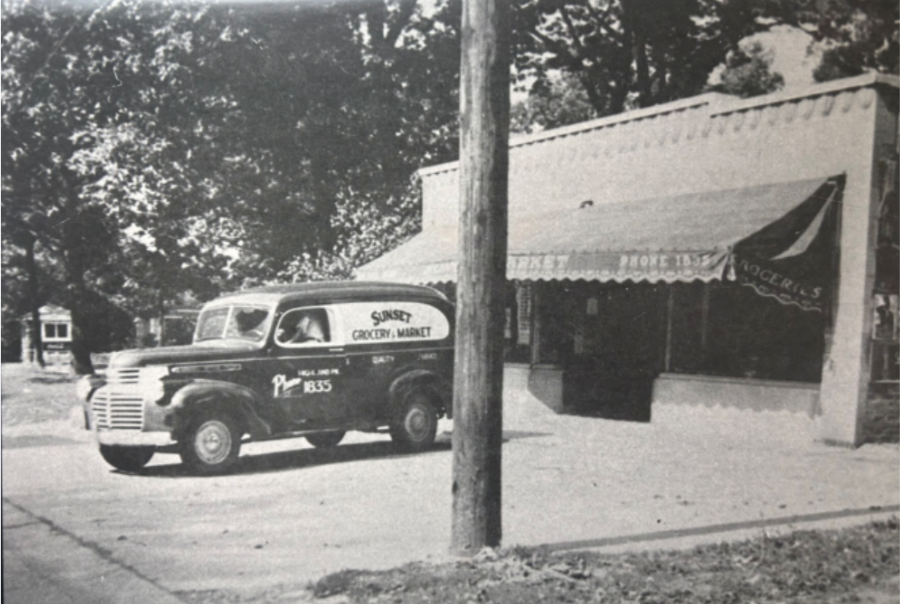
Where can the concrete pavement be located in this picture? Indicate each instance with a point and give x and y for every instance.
(43, 564)
(291, 514)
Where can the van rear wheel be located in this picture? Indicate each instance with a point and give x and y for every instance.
(128, 459)
(416, 423)
(212, 444)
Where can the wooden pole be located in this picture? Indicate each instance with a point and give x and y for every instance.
(478, 382)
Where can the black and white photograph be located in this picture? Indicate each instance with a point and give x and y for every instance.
(450, 301)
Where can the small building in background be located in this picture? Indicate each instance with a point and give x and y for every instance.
(175, 328)
(56, 337)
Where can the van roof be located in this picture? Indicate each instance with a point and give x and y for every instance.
(336, 291)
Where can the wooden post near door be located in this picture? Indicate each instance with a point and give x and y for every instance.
(478, 381)
(670, 311)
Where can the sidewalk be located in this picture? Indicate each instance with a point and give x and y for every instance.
(699, 476)
(42, 565)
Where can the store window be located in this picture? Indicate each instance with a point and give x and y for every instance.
(885, 328)
(519, 323)
(56, 331)
(885, 339)
(750, 336)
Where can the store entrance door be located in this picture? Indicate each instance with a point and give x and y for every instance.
(621, 352)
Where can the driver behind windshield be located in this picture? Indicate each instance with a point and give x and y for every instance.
(250, 323)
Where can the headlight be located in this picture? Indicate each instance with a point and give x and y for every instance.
(152, 387)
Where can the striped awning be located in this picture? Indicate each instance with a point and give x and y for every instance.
(680, 238)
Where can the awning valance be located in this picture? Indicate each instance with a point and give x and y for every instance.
(793, 258)
(679, 238)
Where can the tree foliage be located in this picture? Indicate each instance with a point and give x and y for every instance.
(623, 54)
(857, 35)
(631, 53)
(747, 72)
(94, 176)
(551, 103)
(153, 149)
(332, 112)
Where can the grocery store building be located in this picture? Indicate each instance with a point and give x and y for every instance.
(711, 254)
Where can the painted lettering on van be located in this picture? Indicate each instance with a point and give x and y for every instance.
(370, 335)
(282, 384)
(392, 314)
(414, 332)
(370, 323)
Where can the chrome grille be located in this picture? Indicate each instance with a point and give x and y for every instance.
(118, 408)
(121, 377)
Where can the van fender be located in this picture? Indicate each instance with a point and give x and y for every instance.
(422, 377)
(240, 401)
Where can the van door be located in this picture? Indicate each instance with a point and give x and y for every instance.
(308, 370)
(384, 341)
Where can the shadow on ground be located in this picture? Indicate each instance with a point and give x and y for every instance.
(292, 460)
(305, 458)
(53, 379)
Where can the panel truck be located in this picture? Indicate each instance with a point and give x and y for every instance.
(311, 360)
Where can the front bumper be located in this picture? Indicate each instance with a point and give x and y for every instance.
(126, 438)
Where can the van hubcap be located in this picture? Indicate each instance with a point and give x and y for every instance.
(417, 423)
(213, 442)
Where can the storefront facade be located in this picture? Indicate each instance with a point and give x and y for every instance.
(731, 252)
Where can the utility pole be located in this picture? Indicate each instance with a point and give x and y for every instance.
(480, 315)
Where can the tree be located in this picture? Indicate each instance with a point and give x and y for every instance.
(74, 79)
(552, 103)
(747, 73)
(631, 53)
(857, 35)
(37, 200)
(334, 109)
(152, 148)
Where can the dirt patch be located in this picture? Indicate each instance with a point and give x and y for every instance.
(30, 395)
(51, 379)
(829, 567)
(36, 440)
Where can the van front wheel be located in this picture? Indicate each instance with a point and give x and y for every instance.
(212, 444)
(416, 422)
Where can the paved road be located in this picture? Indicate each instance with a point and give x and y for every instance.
(291, 514)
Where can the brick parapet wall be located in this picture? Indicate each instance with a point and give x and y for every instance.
(882, 421)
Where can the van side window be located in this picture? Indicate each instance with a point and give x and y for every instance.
(303, 326)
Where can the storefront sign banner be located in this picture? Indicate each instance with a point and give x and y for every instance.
(619, 266)
(57, 345)
(773, 279)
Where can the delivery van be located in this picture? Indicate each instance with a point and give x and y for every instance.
(312, 360)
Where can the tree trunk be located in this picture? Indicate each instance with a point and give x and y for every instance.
(36, 336)
(161, 313)
(638, 42)
(81, 354)
(478, 382)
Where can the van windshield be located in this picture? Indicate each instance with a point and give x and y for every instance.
(238, 322)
